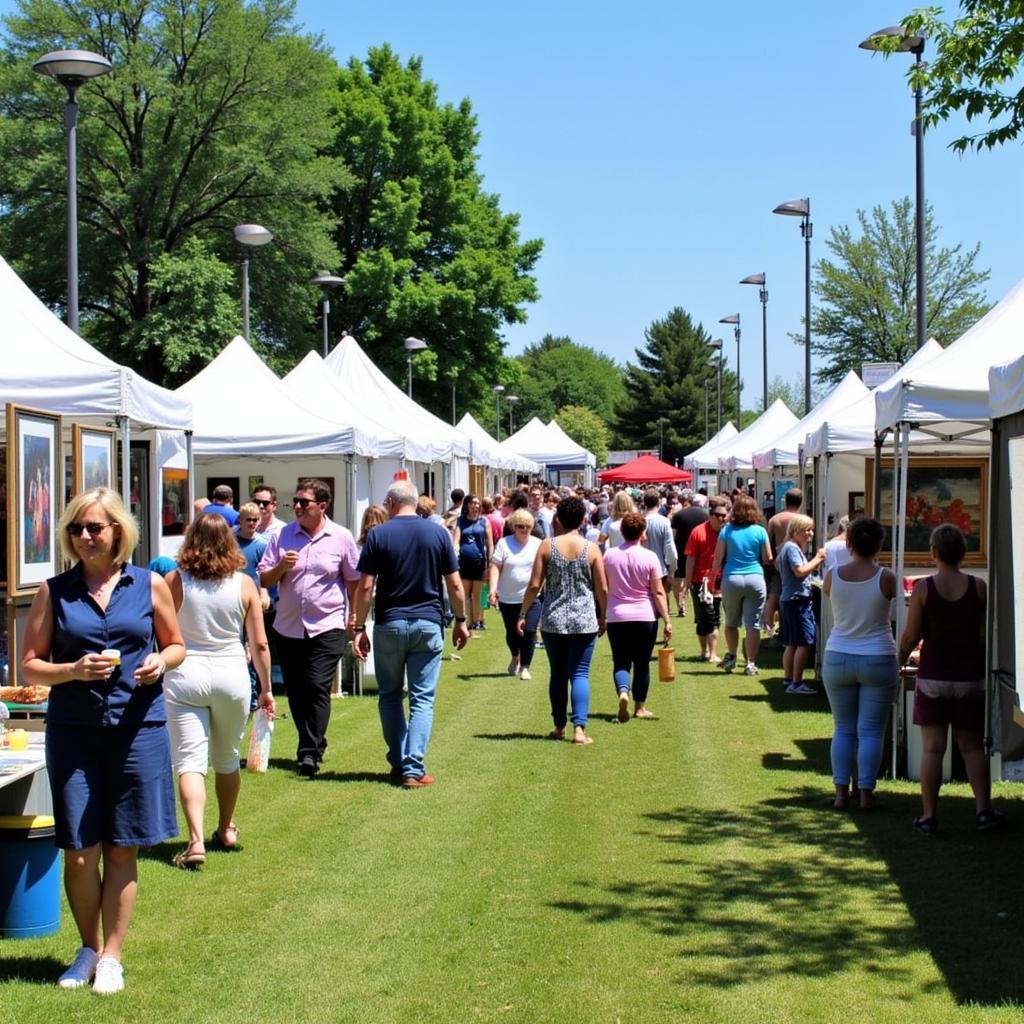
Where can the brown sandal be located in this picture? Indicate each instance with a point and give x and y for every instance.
(188, 859)
(229, 839)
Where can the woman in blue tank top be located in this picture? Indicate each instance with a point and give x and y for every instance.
(102, 635)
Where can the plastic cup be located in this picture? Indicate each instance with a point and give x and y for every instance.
(113, 654)
(17, 739)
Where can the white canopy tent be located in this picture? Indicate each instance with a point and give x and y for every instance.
(735, 454)
(588, 461)
(706, 456)
(553, 449)
(486, 451)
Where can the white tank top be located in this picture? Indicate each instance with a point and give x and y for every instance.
(861, 614)
(212, 615)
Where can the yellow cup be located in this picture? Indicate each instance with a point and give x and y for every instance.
(113, 654)
(17, 739)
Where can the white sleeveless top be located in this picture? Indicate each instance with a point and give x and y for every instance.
(861, 614)
(212, 615)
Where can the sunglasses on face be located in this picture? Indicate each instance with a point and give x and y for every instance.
(303, 502)
(93, 529)
(251, 519)
(264, 504)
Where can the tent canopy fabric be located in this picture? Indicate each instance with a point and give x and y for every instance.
(552, 448)
(736, 452)
(785, 449)
(242, 408)
(953, 388)
(645, 469)
(48, 366)
(371, 388)
(489, 452)
(556, 429)
(703, 457)
(1006, 388)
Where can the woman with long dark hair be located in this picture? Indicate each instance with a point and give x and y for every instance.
(474, 546)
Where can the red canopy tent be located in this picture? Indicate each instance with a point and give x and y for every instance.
(645, 470)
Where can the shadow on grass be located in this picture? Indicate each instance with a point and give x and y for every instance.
(484, 675)
(816, 758)
(42, 969)
(785, 886)
(508, 736)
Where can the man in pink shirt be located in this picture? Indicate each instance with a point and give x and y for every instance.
(314, 562)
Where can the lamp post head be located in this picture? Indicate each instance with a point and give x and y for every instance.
(879, 41)
(794, 208)
(732, 318)
(252, 234)
(717, 344)
(498, 389)
(414, 345)
(72, 68)
(754, 279)
(327, 281)
(511, 398)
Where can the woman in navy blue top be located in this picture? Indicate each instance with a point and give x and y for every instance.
(107, 750)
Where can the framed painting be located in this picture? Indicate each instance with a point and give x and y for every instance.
(855, 504)
(33, 490)
(939, 490)
(175, 511)
(255, 483)
(92, 457)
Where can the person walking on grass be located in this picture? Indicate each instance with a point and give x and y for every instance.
(511, 567)
(410, 561)
(684, 519)
(636, 600)
(474, 547)
(701, 579)
(742, 553)
(571, 571)
(947, 613)
(798, 627)
(777, 526)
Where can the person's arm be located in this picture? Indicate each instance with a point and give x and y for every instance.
(173, 579)
(802, 570)
(671, 555)
(826, 585)
(767, 558)
(719, 556)
(540, 565)
(457, 538)
(600, 588)
(691, 563)
(361, 604)
(489, 534)
(256, 636)
(170, 652)
(274, 563)
(915, 616)
(494, 571)
(661, 605)
(457, 600)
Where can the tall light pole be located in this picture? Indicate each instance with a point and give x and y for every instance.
(661, 438)
(499, 390)
(734, 319)
(706, 382)
(914, 45)
(802, 208)
(411, 345)
(511, 399)
(325, 282)
(717, 345)
(247, 236)
(72, 68)
(759, 279)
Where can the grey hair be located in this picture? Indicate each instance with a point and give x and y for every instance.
(403, 493)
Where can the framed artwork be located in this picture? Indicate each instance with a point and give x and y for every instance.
(329, 480)
(855, 503)
(3, 516)
(255, 483)
(939, 490)
(92, 457)
(175, 511)
(33, 488)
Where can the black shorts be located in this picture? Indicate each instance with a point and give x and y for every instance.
(707, 617)
(472, 569)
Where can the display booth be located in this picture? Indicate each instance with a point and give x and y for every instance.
(734, 456)
(495, 463)
(561, 458)
(704, 461)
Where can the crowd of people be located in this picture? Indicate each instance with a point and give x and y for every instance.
(154, 678)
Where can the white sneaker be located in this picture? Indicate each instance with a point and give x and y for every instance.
(804, 690)
(109, 976)
(750, 669)
(524, 673)
(82, 968)
(513, 666)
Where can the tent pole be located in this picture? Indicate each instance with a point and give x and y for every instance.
(876, 493)
(124, 426)
(995, 464)
(899, 521)
(190, 479)
(351, 503)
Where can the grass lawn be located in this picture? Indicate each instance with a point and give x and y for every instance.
(678, 869)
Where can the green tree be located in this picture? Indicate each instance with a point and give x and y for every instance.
(586, 428)
(557, 372)
(425, 250)
(866, 295)
(665, 388)
(214, 114)
(975, 68)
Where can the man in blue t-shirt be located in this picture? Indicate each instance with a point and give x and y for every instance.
(221, 505)
(409, 560)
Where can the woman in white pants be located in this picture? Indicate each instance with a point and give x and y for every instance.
(208, 697)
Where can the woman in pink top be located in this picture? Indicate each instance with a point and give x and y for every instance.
(636, 600)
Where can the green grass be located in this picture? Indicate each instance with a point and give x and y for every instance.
(678, 869)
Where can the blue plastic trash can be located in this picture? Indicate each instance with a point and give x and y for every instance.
(29, 877)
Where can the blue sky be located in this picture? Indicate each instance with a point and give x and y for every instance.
(647, 146)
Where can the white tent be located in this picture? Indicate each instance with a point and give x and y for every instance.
(706, 457)
(1006, 388)
(489, 452)
(588, 458)
(784, 450)
(48, 366)
(553, 449)
(735, 453)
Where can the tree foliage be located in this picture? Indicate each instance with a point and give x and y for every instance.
(866, 309)
(557, 372)
(975, 69)
(425, 251)
(665, 388)
(586, 428)
(214, 114)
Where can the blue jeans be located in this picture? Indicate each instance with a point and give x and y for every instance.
(407, 651)
(569, 655)
(861, 689)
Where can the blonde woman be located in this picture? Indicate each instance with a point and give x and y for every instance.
(511, 568)
(611, 529)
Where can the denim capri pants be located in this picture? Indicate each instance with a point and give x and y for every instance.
(743, 597)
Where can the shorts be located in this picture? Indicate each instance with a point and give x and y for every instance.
(798, 628)
(942, 702)
(111, 784)
(773, 581)
(706, 617)
(472, 569)
(743, 597)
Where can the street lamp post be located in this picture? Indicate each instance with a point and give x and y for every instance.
(914, 45)
(511, 399)
(759, 279)
(325, 282)
(706, 410)
(72, 68)
(734, 319)
(247, 236)
(661, 438)
(411, 345)
(802, 208)
(717, 344)
(499, 390)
